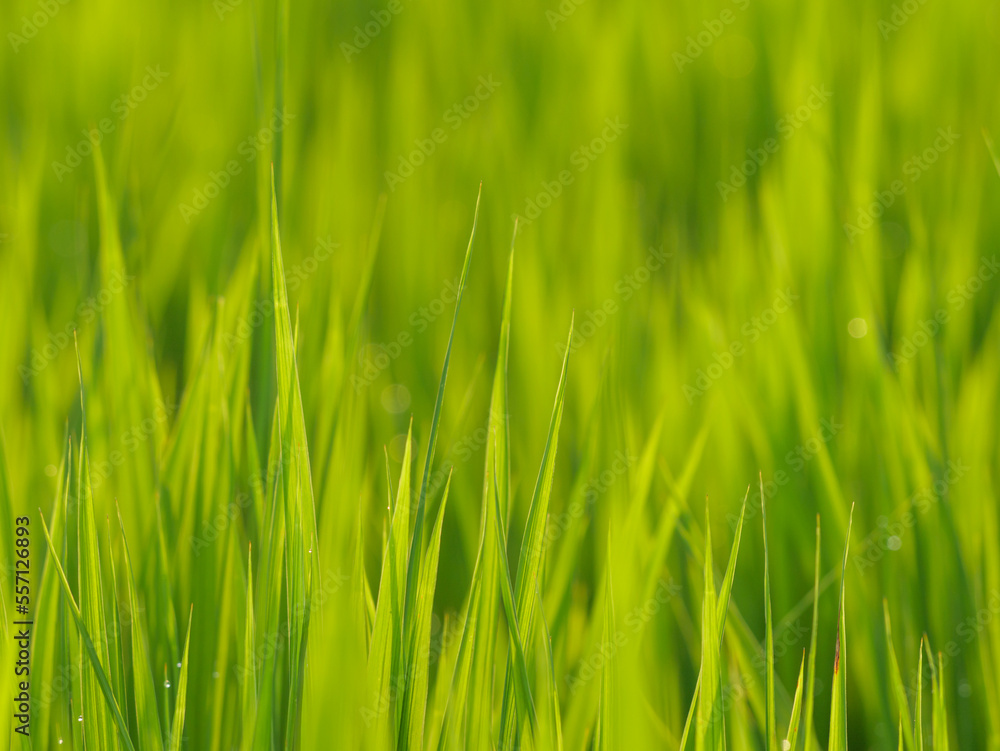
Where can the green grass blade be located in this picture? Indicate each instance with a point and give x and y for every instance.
(838, 700)
(771, 733)
(115, 632)
(896, 680)
(722, 610)
(411, 729)
(522, 691)
(606, 727)
(147, 716)
(918, 726)
(792, 736)
(691, 713)
(384, 658)
(811, 671)
(97, 726)
(939, 707)
(533, 543)
(248, 666)
(412, 573)
(727, 582)
(176, 732)
(709, 732)
(88, 644)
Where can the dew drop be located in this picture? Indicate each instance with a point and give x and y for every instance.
(215, 674)
(167, 684)
(785, 746)
(80, 718)
(178, 664)
(60, 741)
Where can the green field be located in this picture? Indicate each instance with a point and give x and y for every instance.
(414, 375)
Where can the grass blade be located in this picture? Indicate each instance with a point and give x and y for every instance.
(533, 543)
(411, 728)
(605, 735)
(147, 716)
(811, 671)
(522, 692)
(88, 644)
(792, 737)
(896, 680)
(838, 701)
(918, 727)
(939, 708)
(771, 737)
(709, 733)
(179, 709)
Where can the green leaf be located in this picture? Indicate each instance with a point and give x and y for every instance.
(896, 680)
(179, 708)
(412, 572)
(533, 543)
(522, 691)
(918, 727)
(838, 701)
(811, 671)
(97, 724)
(384, 657)
(88, 644)
(792, 736)
(147, 716)
(722, 609)
(411, 729)
(604, 740)
(709, 732)
(939, 707)
(771, 737)
(248, 666)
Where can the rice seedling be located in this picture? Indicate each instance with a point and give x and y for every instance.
(384, 378)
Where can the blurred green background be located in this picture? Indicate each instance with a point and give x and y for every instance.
(721, 167)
